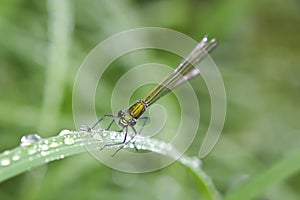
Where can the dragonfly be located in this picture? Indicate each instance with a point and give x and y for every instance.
(186, 70)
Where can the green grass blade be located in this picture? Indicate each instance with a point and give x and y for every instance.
(277, 173)
(67, 143)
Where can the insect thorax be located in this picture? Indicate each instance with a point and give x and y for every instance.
(137, 109)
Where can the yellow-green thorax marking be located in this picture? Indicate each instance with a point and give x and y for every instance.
(129, 117)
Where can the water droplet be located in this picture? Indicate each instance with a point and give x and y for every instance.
(104, 134)
(44, 147)
(31, 150)
(131, 145)
(196, 163)
(6, 152)
(192, 162)
(152, 146)
(84, 127)
(15, 157)
(65, 132)
(44, 153)
(29, 139)
(53, 145)
(120, 137)
(113, 137)
(97, 136)
(62, 156)
(5, 162)
(69, 141)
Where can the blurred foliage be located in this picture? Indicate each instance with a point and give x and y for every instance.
(258, 57)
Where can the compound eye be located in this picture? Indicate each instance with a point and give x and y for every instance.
(132, 122)
(121, 113)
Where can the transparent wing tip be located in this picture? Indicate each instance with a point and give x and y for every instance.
(205, 39)
(208, 45)
(204, 47)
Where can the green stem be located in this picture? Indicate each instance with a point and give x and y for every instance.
(204, 181)
(277, 173)
(67, 143)
(60, 27)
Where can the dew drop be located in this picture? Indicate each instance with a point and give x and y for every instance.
(44, 153)
(104, 134)
(64, 132)
(131, 146)
(97, 136)
(31, 150)
(44, 147)
(193, 162)
(53, 145)
(6, 152)
(69, 141)
(84, 127)
(152, 146)
(62, 156)
(120, 137)
(113, 137)
(196, 163)
(29, 139)
(5, 162)
(15, 157)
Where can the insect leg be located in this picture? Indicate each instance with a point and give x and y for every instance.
(117, 143)
(121, 143)
(102, 118)
(145, 118)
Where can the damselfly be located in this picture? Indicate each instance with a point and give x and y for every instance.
(185, 71)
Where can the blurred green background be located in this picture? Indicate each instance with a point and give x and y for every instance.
(42, 44)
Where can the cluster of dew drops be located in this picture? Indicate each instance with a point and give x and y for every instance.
(33, 146)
